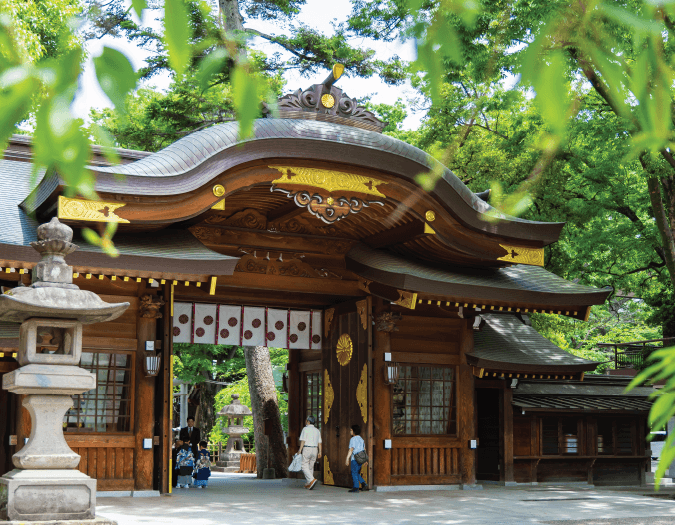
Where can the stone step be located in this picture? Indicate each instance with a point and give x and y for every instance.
(228, 463)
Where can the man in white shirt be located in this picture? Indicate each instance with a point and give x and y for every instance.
(310, 448)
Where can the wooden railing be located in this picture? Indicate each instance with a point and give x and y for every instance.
(425, 461)
(248, 464)
(634, 354)
(108, 459)
(216, 450)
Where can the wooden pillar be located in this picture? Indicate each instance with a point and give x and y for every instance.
(144, 405)
(294, 401)
(466, 406)
(381, 403)
(165, 392)
(507, 439)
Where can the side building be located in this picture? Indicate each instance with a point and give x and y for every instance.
(403, 310)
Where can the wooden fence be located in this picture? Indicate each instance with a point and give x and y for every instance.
(248, 464)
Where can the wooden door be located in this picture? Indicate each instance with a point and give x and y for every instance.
(347, 398)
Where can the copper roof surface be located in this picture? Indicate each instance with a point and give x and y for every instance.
(506, 343)
(196, 159)
(518, 283)
(595, 393)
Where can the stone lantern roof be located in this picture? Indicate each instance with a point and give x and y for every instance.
(53, 293)
(236, 409)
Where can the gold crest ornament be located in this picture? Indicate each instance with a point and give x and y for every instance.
(328, 396)
(327, 474)
(327, 100)
(344, 349)
(362, 393)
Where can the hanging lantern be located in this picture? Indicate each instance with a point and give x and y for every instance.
(151, 364)
(391, 372)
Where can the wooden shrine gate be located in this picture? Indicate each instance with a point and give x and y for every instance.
(346, 386)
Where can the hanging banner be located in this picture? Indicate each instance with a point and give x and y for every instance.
(204, 324)
(254, 326)
(299, 329)
(317, 332)
(229, 325)
(277, 329)
(225, 324)
(182, 322)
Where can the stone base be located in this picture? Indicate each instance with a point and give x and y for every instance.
(47, 495)
(95, 521)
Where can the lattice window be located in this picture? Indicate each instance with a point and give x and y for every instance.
(107, 408)
(424, 401)
(313, 396)
(550, 437)
(624, 437)
(605, 443)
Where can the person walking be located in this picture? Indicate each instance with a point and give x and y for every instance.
(310, 448)
(192, 435)
(202, 471)
(356, 445)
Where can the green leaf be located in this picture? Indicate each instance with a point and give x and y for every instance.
(245, 95)
(211, 65)
(177, 35)
(629, 19)
(138, 6)
(116, 76)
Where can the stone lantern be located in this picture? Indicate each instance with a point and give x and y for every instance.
(235, 414)
(45, 484)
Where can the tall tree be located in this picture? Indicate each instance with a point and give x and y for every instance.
(265, 407)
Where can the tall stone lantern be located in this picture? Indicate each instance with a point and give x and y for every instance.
(45, 484)
(235, 413)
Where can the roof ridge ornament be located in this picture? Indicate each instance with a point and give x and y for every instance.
(327, 103)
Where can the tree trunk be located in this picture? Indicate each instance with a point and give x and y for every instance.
(233, 20)
(264, 405)
(207, 407)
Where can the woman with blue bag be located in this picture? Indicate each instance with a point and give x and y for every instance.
(356, 457)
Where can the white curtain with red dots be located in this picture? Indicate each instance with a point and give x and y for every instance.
(247, 326)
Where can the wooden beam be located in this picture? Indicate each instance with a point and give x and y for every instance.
(295, 414)
(285, 212)
(465, 407)
(422, 358)
(507, 439)
(397, 235)
(382, 411)
(309, 366)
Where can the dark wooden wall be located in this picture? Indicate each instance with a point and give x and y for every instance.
(423, 338)
(531, 464)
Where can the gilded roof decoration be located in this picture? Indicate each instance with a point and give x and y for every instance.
(330, 180)
(523, 255)
(84, 210)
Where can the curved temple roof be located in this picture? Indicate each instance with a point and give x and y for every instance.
(517, 284)
(196, 159)
(506, 343)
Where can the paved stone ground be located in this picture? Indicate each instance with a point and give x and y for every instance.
(243, 500)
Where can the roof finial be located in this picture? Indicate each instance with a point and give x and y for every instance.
(334, 75)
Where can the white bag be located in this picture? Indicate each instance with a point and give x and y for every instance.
(296, 464)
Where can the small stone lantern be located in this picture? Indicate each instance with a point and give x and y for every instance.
(45, 484)
(235, 414)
